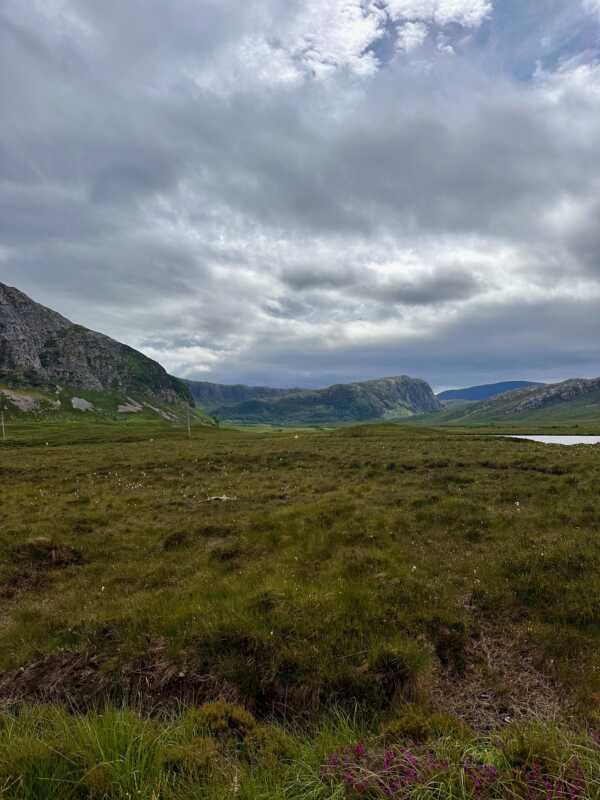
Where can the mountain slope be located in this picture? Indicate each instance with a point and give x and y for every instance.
(41, 348)
(485, 392)
(572, 400)
(219, 395)
(388, 398)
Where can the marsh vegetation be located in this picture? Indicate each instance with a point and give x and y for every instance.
(376, 611)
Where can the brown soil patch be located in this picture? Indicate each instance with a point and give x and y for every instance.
(44, 553)
(24, 582)
(505, 680)
(82, 680)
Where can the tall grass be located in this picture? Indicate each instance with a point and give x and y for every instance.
(220, 752)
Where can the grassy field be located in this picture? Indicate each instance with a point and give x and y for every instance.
(379, 611)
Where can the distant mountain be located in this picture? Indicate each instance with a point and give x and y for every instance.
(573, 400)
(219, 395)
(42, 350)
(485, 392)
(387, 398)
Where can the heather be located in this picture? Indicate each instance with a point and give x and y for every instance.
(221, 751)
(376, 611)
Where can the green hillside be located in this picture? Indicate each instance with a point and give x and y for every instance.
(574, 402)
(386, 398)
(22, 403)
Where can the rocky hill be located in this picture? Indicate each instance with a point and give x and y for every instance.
(536, 398)
(485, 392)
(570, 400)
(218, 395)
(39, 348)
(387, 398)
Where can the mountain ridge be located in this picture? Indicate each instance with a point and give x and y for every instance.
(379, 399)
(575, 398)
(485, 391)
(39, 348)
(213, 395)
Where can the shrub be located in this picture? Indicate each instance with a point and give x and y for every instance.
(226, 721)
(192, 759)
(268, 745)
(397, 667)
(417, 724)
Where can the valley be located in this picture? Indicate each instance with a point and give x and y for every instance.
(212, 590)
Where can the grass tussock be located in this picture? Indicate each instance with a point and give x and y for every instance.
(220, 751)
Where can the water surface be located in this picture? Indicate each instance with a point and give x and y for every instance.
(568, 440)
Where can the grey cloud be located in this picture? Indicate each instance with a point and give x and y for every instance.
(440, 287)
(136, 198)
(140, 174)
(525, 338)
(302, 278)
(435, 286)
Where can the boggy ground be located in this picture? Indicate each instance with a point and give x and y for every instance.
(431, 590)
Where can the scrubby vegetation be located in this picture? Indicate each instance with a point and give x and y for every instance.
(220, 751)
(373, 611)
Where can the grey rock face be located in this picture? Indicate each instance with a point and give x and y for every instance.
(215, 395)
(386, 398)
(557, 397)
(25, 327)
(39, 347)
(556, 393)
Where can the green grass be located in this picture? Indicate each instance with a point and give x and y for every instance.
(219, 751)
(56, 407)
(369, 568)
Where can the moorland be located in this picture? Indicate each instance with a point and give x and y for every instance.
(379, 611)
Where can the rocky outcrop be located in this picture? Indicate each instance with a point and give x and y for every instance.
(558, 401)
(386, 398)
(39, 347)
(485, 392)
(564, 392)
(215, 395)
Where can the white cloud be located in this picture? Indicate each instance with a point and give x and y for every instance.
(411, 36)
(322, 37)
(336, 33)
(469, 13)
(571, 80)
(251, 62)
(443, 45)
(183, 361)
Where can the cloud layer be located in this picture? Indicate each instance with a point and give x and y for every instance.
(298, 192)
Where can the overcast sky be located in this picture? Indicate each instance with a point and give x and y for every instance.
(300, 192)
